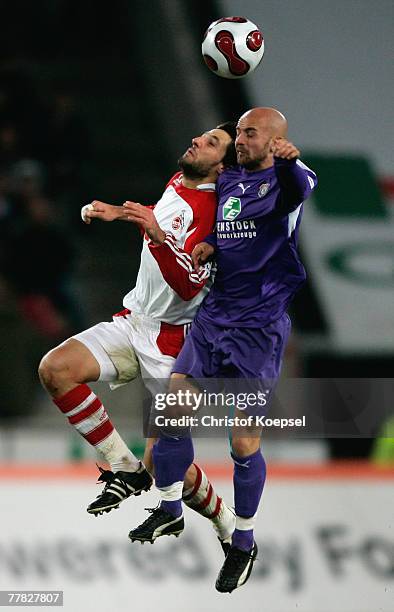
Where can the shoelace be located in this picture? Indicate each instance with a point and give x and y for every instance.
(105, 476)
(152, 518)
(234, 556)
(152, 510)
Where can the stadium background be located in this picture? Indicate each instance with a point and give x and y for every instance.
(98, 101)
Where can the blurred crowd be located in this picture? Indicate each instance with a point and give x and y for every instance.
(43, 145)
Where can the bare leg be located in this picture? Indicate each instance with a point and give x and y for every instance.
(67, 366)
(63, 373)
(245, 440)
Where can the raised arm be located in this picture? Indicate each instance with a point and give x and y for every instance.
(103, 211)
(295, 179)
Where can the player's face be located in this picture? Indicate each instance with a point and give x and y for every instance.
(253, 143)
(204, 157)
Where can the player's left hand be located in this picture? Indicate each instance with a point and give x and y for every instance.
(284, 149)
(146, 219)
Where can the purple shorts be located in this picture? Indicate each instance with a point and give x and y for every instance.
(250, 357)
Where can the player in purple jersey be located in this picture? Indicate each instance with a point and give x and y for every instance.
(242, 327)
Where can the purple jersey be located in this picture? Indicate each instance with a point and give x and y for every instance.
(258, 267)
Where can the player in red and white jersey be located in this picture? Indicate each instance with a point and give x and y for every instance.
(183, 215)
(147, 336)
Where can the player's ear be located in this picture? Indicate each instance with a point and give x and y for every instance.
(221, 168)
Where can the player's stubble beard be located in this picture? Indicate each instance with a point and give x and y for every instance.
(253, 163)
(194, 170)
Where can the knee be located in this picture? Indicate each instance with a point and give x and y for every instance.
(53, 369)
(243, 447)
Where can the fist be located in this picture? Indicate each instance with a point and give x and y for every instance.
(101, 210)
(284, 149)
(201, 252)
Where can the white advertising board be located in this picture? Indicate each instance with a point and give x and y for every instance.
(350, 262)
(324, 546)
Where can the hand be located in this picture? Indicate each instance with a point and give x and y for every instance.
(201, 252)
(146, 219)
(101, 210)
(284, 149)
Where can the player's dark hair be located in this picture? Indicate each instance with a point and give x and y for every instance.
(230, 127)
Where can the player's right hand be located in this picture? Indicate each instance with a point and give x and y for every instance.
(201, 252)
(284, 149)
(103, 211)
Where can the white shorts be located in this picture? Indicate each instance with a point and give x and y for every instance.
(131, 344)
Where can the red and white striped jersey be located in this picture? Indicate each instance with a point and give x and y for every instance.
(167, 287)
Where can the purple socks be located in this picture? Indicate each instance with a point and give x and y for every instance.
(242, 539)
(172, 458)
(173, 507)
(249, 478)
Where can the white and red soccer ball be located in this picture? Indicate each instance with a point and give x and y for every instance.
(233, 47)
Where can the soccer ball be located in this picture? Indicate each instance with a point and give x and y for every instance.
(233, 47)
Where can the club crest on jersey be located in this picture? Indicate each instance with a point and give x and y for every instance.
(178, 180)
(263, 189)
(231, 208)
(178, 222)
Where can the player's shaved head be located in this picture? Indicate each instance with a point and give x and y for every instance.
(256, 130)
(267, 118)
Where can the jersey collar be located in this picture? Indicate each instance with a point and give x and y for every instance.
(206, 187)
